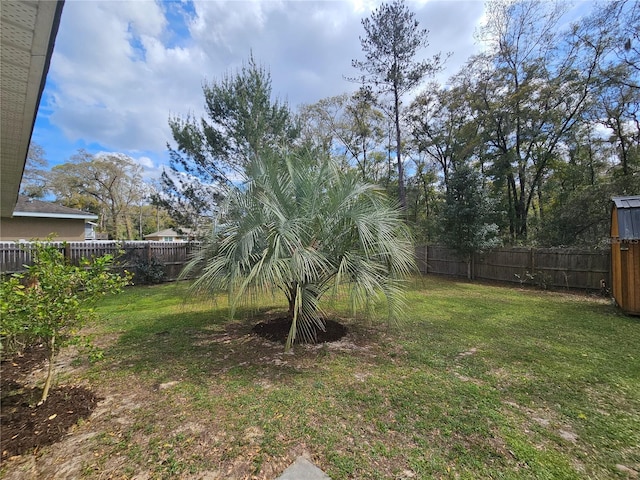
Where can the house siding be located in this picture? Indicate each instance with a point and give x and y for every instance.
(17, 228)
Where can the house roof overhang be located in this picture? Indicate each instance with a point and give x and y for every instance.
(29, 207)
(29, 30)
(86, 216)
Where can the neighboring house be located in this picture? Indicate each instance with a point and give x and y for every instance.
(168, 235)
(35, 219)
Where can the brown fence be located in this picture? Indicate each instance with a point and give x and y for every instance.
(132, 256)
(545, 267)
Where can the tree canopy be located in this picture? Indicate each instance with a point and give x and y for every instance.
(210, 153)
(546, 116)
(34, 178)
(107, 184)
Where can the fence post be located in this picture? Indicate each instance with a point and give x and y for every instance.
(473, 265)
(426, 259)
(532, 260)
(67, 252)
(149, 253)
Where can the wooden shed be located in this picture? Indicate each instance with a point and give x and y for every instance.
(625, 252)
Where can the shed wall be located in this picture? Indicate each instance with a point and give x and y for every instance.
(625, 268)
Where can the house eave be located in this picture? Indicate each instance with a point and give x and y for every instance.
(28, 34)
(55, 215)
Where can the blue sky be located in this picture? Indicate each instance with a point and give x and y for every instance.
(120, 69)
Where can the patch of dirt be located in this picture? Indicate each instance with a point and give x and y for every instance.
(277, 330)
(23, 363)
(141, 429)
(27, 426)
(468, 353)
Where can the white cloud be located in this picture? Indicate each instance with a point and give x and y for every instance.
(120, 69)
(146, 162)
(150, 169)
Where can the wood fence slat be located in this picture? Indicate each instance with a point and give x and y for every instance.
(566, 268)
(569, 268)
(129, 255)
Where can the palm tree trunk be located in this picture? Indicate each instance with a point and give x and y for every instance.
(291, 299)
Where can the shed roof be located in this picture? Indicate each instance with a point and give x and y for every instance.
(628, 212)
(29, 207)
(632, 201)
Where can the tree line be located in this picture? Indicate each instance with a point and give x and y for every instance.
(525, 145)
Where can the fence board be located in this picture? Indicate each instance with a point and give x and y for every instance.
(564, 268)
(129, 255)
(548, 267)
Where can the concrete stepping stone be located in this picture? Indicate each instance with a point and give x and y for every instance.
(303, 469)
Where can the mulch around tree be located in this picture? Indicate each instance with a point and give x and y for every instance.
(277, 330)
(27, 426)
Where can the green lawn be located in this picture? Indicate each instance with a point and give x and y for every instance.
(477, 381)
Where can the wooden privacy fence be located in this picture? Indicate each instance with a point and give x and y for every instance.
(130, 255)
(545, 267)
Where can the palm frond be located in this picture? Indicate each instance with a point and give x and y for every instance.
(304, 227)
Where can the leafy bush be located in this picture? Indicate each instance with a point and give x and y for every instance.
(53, 299)
(150, 271)
(15, 329)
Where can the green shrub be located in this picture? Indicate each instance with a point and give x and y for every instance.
(53, 299)
(149, 271)
(16, 331)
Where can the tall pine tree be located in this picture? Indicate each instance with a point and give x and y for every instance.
(391, 46)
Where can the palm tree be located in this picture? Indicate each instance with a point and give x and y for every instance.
(304, 227)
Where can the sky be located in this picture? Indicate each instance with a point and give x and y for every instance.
(120, 69)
